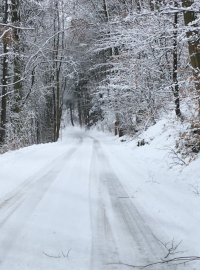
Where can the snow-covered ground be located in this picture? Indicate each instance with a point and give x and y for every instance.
(93, 202)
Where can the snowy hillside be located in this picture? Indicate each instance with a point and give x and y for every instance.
(169, 192)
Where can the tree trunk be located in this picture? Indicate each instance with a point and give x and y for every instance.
(17, 70)
(54, 116)
(193, 45)
(4, 83)
(175, 66)
(58, 104)
(116, 128)
(80, 114)
(71, 114)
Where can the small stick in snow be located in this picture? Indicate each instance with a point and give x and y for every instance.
(58, 257)
(177, 160)
(133, 196)
(51, 256)
(174, 261)
(196, 190)
(66, 256)
(171, 250)
(151, 179)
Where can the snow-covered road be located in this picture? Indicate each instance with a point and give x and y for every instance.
(74, 210)
(120, 231)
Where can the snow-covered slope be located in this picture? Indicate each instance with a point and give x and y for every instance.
(154, 178)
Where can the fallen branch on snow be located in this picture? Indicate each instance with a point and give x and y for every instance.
(171, 247)
(59, 255)
(169, 262)
(196, 190)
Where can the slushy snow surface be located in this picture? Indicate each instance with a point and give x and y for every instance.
(91, 202)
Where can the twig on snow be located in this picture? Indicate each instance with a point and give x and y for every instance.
(175, 261)
(196, 190)
(134, 194)
(68, 252)
(52, 256)
(176, 159)
(151, 179)
(171, 247)
(58, 256)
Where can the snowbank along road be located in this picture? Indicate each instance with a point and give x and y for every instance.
(74, 213)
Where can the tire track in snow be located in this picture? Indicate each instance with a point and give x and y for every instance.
(16, 209)
(17, 193)
(121, 234)
(103, 247)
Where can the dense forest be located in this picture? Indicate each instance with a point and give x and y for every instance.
(117, 64)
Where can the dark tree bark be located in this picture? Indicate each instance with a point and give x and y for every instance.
(175, 66)
(4, 83)
(193, 45)
(54, 115)
(17, 69)
(80, 114)
(71, 114)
